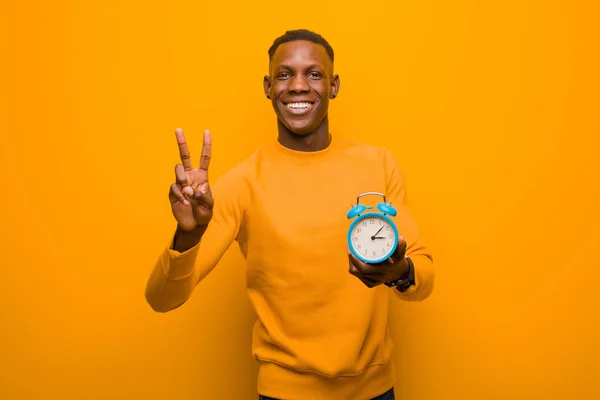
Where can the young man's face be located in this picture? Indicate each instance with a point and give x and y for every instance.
(300, 84)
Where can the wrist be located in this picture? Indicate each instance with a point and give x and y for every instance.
(186, 239)
(405, 269)
(407, 279)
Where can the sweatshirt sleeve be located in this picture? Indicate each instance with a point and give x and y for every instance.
(408, 228)
(175, 275)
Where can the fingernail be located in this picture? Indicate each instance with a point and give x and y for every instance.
(188, 190)
(203, 187)
(187, 203)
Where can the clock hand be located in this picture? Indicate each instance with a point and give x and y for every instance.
(373, 237)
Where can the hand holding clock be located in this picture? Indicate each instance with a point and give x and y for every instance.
(395, 267)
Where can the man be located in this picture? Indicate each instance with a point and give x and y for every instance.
(322, 329)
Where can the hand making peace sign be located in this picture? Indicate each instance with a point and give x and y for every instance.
(191, 199)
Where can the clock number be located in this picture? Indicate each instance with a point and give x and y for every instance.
(374, 253)
(365, 252)
(372, 222)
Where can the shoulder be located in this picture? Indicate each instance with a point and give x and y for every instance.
(234, 180)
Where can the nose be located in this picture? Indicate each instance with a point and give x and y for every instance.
(298, 84)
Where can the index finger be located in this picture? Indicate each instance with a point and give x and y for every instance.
(206, 150)
(184, 153)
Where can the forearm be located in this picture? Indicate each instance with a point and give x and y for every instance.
(177, 273)
(424, 278)
(416, 248)
(164, 294)
(174, 276)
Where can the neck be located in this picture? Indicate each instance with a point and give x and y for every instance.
(314, 141)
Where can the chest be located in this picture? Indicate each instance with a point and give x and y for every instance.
(303, 208)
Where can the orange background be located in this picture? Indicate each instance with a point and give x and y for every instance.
(490, 107)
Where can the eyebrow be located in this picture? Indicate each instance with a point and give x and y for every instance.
(312, 66)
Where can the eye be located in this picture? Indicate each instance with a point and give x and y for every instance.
(283, 75)
(315, 75)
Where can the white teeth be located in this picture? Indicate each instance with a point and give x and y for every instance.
(299, 105)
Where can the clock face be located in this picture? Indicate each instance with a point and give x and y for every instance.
(373, 238)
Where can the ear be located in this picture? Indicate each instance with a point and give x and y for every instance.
(335, 86)
(267, 86)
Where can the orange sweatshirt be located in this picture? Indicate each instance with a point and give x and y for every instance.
(321, 333)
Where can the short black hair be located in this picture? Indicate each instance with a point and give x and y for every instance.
(301, 34)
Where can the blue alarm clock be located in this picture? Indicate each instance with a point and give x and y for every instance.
(372, 236)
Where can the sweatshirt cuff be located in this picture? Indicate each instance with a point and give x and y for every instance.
(178, 265)
(423, 279)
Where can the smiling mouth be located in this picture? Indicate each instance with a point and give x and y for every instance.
(299, 106)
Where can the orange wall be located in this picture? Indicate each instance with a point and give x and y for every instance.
(489, 109)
